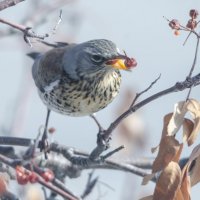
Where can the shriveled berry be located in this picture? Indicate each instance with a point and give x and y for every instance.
(192, 24)
(194, 13)
(174, 24)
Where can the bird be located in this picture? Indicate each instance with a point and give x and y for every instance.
(79, 79)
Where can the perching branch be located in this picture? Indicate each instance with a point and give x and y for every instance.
(142, 92)
(105, 135)
(8, 3)
(27, 31)
(78, 158)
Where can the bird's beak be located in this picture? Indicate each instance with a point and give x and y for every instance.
(122, 63)
(117, 64)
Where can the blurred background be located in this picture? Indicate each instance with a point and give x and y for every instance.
(138, 27)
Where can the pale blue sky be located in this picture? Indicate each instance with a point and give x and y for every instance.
(135, 26)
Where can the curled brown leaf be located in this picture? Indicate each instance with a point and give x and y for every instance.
(168, 183)
(191, 128)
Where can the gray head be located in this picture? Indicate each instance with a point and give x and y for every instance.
(93, 56)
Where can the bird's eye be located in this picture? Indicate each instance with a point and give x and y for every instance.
(97, 58)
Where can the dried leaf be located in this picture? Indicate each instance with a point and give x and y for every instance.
(177, 118)
(193, 107)
(170, 149)
(194, 173)
(188, 126)
(195, 153)
(185, 186)
(187, 181)
(179, 195)
(166, 120)
(168, 183)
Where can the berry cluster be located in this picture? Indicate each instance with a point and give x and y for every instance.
(191, 24)
(25, 176)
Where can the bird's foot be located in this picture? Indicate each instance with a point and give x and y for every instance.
(44, 144)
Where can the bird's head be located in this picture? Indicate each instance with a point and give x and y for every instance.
(96, 56)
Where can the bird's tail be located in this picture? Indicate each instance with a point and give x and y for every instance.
(33, 55)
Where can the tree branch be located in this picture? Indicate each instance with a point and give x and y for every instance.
(104, 136)
(8, 3)
(27, 31)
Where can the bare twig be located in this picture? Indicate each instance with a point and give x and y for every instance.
(137, 167)
(90, 185)
(148, 88)
(195, 57)
(8, 3)
(58, 22)
(97, 122)
(193, 66)
(187, 38)
(112, 152)
(27, 31)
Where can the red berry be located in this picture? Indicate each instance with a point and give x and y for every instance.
(176, 32)
(33, 177)
(48, 175)
(22, 175)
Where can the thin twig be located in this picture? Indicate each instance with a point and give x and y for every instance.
(27, 31)
(8, 3)
(195, 58)
(113, 152)
(137, 167)
(58, 22)
(97, 122)
(148, 88)
(90, 185)
(193, 66)
(187, 38)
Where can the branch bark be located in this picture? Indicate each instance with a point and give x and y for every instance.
(27, 31)
(8, 3)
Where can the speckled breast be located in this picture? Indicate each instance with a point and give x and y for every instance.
(83, 97)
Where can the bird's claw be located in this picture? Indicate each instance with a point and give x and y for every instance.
(44, 144)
